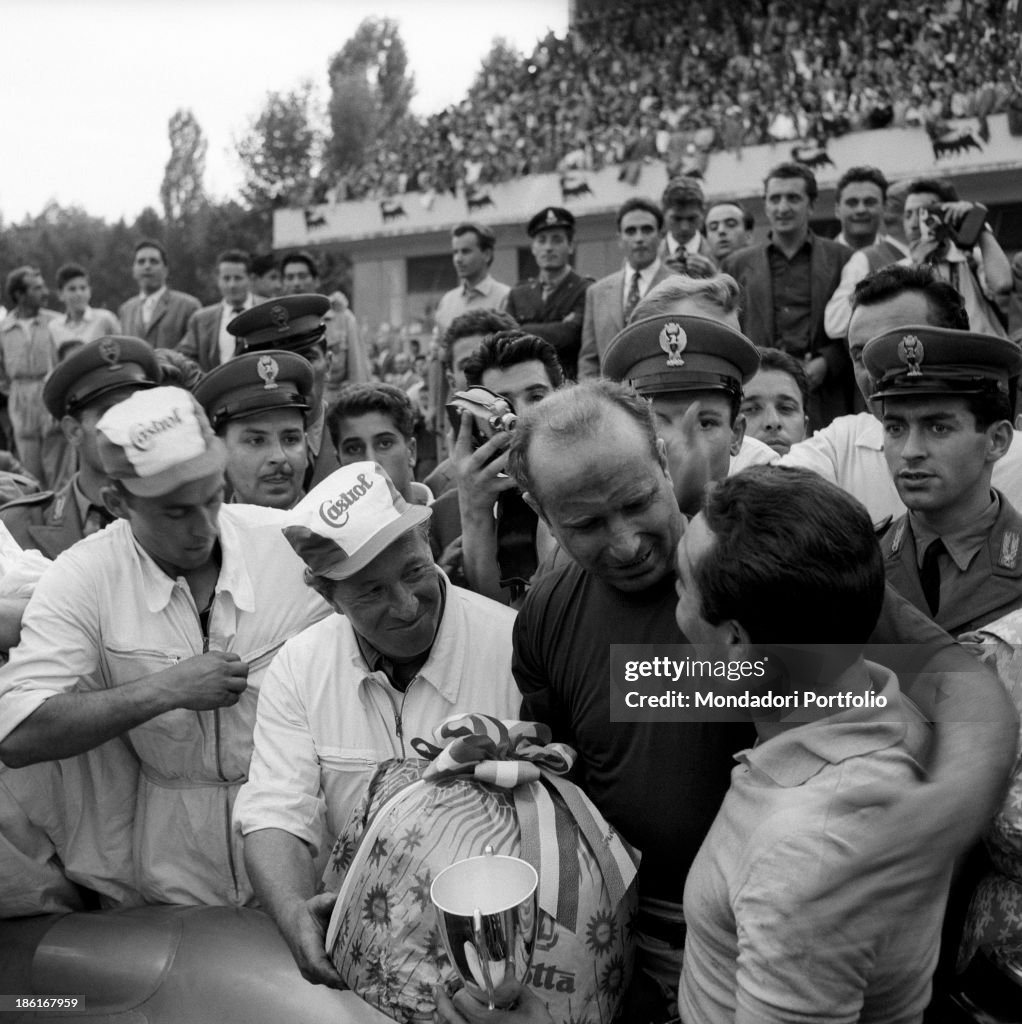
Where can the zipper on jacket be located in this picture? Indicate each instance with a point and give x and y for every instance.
(217, 738)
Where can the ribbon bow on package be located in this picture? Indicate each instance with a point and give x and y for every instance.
(481, 783)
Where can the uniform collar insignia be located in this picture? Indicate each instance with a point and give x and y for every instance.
(1008, 557)
(899, 536)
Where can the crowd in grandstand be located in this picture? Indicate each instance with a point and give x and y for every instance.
(645, 82)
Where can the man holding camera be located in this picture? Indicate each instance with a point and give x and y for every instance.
(522, 369)
(954, 239)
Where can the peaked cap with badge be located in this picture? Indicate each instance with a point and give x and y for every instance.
(294, 323)
(681, 353)
(253, 383)
(96, 369)
(922, 360)
(549, 218)
(49, 521)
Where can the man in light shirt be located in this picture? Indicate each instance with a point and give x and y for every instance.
(888, 244)
(141, 656)
(405, 651)
(80, 322)
(472, 247)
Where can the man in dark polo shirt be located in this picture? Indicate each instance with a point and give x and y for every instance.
(77, 393)
(787, 282)
(553, 305)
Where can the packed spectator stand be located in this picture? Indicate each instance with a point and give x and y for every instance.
(636, 81)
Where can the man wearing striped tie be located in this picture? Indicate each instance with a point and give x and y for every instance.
(610, 301)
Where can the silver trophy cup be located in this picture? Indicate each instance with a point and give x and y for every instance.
(486, 909)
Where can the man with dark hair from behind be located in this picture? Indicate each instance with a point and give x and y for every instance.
(158, 314)
(772, 547)
(850, 450)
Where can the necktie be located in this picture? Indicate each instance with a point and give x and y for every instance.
(633, 296)
(237, 311)
(929, 574)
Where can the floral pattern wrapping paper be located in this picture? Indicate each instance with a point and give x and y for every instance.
(386, 943)
(995, 914)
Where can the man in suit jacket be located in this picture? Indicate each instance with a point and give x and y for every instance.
(787, 282)
(610, 301)
(157, 314)
(207, 339)
(957, 553)
(684, 247)
(552, 306)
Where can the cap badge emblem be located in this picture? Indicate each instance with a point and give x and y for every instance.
(278, 314)
(673, 340)
(110, 352)
(268, 369)
(551, 217)
(910, 351)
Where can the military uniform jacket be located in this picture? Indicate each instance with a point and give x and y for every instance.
(989, 588)
(557, 319)
(48, 522)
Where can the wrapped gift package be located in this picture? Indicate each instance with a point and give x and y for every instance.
(483, 784)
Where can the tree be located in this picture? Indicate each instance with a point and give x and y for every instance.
(182, 192)
(279, 151)
(370, 89)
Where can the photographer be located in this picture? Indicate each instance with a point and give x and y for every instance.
(952, 238)
(523, 369)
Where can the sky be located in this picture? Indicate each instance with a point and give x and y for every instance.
(88, 86)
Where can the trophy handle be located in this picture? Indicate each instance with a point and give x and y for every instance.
(484, 957)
